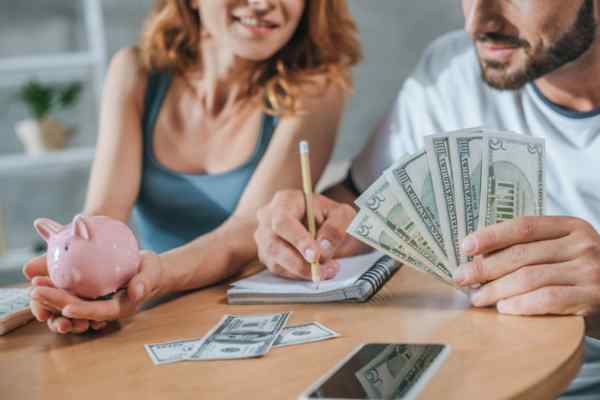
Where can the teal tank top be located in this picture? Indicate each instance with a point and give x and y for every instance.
(174, 208)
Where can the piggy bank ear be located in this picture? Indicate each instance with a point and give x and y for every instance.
(46, 227)
(80, 228)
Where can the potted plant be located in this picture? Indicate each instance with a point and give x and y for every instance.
(43, 132)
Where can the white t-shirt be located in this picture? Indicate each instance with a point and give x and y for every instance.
(446, 93)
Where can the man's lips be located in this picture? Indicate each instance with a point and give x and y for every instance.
(497, 51)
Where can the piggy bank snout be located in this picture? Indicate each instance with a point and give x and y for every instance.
(60, 265)
(62, 278)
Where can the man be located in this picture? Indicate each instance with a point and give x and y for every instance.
(529, 66)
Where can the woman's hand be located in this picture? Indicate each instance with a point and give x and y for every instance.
(66, 313)
(286, 247)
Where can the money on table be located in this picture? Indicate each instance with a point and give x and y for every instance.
(13, 300)
(421, 208)
(237, 337)
(14, 308)
(304, 333)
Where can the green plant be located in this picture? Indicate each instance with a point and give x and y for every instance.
(42, 98)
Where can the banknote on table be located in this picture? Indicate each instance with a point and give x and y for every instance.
(368, 229)
(411, 181)
(437, 148)
(394, 371)
(512, 177)
(14, 309)
(304, 333)
(380, 199)
(170, 352)
(13, 300)
(240, 337)
(466, 153)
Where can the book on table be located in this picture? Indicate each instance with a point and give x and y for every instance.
(358, 280)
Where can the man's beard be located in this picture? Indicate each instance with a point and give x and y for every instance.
(569, 47)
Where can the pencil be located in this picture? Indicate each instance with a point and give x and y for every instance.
(315, 268)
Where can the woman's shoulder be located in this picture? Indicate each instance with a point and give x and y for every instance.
(319, 93)
(127, 73)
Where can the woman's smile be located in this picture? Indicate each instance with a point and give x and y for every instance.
(253, 26)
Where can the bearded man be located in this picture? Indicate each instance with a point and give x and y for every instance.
(529, 66)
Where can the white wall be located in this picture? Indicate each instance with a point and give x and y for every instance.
(394, 34)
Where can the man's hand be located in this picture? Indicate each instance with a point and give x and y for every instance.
(534, 266)
(286, 247)
(66, 313)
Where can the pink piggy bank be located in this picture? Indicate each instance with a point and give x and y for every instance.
(91, 257)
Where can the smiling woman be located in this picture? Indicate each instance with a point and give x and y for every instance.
(315, 38)
(199, 128)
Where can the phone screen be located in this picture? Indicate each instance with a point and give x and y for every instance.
(381, 371)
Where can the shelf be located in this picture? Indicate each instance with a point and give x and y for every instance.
(15, 80)
(74, 158)
(75, 60)
(61, 67)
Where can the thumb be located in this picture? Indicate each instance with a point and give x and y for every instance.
(145, 283)
(36, 267)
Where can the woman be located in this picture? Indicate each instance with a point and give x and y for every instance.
(199, 128)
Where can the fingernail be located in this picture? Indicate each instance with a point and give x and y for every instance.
(501, 307)
(67, 312)
(469, 245)
(139, 291)
(326, 247)
(309, 255)
(475, 296)
(459, 275)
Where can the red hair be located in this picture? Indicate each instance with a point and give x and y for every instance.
(325, 44)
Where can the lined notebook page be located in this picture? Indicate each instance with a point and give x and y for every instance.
(350, 270)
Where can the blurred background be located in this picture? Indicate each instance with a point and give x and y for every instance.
(59, 49)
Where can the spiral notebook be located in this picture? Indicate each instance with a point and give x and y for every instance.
(359, 279)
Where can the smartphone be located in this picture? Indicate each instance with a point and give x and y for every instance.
(380, 371)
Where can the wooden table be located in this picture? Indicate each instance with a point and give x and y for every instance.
(492, 356)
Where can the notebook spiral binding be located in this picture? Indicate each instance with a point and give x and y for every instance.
(380, 273)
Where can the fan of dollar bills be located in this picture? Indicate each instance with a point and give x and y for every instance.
(422, 207)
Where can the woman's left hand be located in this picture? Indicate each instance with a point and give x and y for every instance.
(67, 313)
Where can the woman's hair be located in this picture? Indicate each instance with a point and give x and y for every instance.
(325, 44)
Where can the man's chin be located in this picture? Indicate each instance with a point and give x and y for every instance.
(501, 78)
